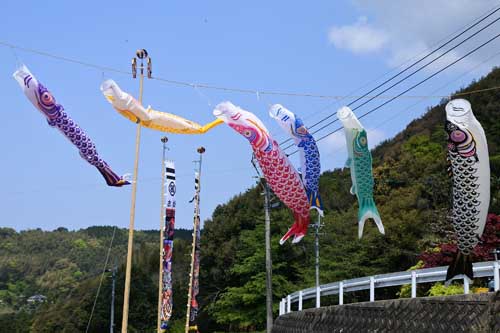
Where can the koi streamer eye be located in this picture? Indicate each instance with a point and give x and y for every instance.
(247, 133)
(457, 136)
(362, 141)
(302, 130)
(47, 100)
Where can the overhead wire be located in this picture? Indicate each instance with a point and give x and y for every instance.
(102, 278)
(402, 65)
(379, 95)
(434, 51)
(394, 116)
(410, 88)
(263, 92)
(256, 92)
(195, 86)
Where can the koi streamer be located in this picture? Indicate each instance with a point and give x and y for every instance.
(57, 117)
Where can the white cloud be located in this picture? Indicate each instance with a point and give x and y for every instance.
(334, 151)
(408, 28)
(359, 37)
(375, 136)
(335, 143)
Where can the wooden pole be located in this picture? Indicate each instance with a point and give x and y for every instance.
(196, 226)
(141, 54)
(162, 226)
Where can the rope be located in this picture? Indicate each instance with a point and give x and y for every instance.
(196, 86)
(102, 278)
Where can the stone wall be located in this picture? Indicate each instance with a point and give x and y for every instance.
(450, 314)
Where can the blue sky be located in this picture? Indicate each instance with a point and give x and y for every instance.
(321, 47)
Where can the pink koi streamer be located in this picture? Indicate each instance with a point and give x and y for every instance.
(278, 171)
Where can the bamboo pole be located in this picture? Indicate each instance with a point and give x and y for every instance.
(126, 294)
(196, 226)
(162, 226)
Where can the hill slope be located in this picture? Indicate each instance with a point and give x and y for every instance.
(412, 194)
(411, 191)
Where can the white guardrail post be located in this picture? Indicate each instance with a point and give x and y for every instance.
(466, 285)
(372, 289)
(318, 297)
(496, 275)
(341, 292)
(414, 277)
(413, 284)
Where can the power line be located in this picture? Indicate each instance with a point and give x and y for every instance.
(102, 277)
(194, 85)
(166, 80)
(430, 62)
(434, 51)
(412, 87)
(402, 64)
(394, 116)
(370, 98)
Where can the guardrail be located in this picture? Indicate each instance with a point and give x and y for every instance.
(414, 277)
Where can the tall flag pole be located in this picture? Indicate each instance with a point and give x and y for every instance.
(167, 228)
(141, 54)
(192, 305)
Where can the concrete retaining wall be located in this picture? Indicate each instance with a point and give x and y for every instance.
(450, 314)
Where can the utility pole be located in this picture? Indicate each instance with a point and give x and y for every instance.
(269, 263)
(316, 247)
(141, 54)
(112, 319)
(195, 245)
(164, 140)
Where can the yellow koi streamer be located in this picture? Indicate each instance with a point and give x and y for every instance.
(131, 109)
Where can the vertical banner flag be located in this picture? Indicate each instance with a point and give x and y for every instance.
(168, 245)
(195, 284)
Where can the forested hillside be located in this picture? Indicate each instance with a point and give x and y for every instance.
(66, 266)
(412, 194)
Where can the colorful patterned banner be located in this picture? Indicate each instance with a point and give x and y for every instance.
(43, 100)
(195, 283)
(131, 109)
(168, 246)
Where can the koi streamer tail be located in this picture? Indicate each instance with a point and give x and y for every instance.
(367, 209)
